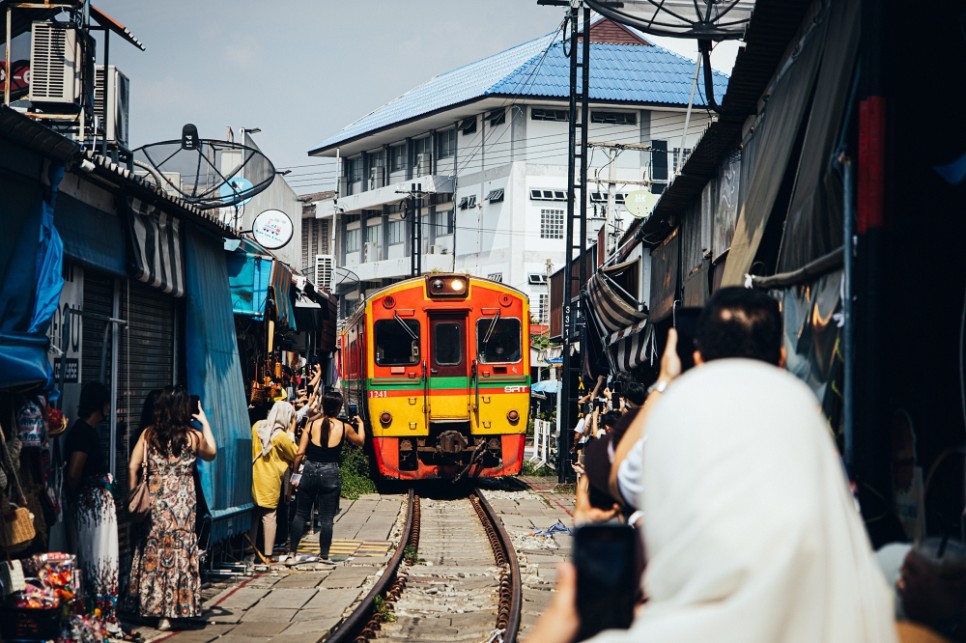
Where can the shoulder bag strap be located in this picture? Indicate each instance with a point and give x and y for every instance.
(14, 473)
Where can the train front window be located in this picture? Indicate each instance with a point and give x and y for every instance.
(447, 343)
(498, 340)
(397, 342)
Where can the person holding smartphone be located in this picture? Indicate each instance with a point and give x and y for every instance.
(320, 448)
(751, 530)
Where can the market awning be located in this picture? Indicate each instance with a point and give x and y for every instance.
(632, 346)
(281, 288)
(158, 259)
(611, 305)
(249, 277)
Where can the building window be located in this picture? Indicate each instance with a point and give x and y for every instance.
(614, 118)
(352, 239)
(548, 195)
(355, 169)
(446, 143)
(468, 202)
(468, 125)
(537, 278)
(423, 145)
(315, 241)
(497, 117)
(397, 158)
(551, 224)
(555, 115)
(397, 232)
(495, 195)
(679, 157)
(495, 276)
(543, 308)
(374, 235)
(601, 197)
(443, 221)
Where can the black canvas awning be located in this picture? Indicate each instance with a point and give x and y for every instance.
(631, 347)
(157, 245)
(613, 307)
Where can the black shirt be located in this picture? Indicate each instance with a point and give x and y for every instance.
(84, 438)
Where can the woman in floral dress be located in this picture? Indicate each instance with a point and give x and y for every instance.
(165, 575)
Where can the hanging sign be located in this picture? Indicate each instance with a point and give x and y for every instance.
(273, 229)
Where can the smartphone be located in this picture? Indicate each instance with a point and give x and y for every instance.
(195, 404)
(605, 555)
(685, 321)
(352, 409)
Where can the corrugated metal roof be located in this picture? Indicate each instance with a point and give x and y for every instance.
(643, 74)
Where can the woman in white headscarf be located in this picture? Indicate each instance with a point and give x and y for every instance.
(273, 451)
(750, 530)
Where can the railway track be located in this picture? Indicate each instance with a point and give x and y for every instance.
(454, 577)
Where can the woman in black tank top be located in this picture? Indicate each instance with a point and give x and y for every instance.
(321, 450)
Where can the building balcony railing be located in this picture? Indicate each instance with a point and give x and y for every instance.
(393, 193)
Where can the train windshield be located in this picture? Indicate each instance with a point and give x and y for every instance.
(498, 340)
(397, 342)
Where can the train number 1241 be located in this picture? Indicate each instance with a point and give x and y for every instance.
(373, 394)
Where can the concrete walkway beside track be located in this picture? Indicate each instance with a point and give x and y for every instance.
(305, 602)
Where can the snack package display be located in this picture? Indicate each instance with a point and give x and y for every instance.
(56, 571)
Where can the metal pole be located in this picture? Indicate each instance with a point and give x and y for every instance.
(564, 396)
(848, 329)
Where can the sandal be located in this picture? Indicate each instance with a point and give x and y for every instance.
(131, 635)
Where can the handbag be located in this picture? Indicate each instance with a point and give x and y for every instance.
(139, 501)
(17, 530)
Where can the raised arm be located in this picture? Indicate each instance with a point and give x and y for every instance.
(356, 432)
(206, 447)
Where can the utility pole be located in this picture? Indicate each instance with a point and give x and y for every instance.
(614, 149)
(415, 200)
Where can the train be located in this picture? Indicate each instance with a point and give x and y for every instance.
(439, 367)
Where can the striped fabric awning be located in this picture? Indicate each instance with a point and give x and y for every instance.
(613, 307)
(632, 346)
(157, 257)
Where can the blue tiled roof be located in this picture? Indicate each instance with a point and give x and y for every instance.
(643, 74)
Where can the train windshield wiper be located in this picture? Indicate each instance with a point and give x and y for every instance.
(489, 331)
(409, 331)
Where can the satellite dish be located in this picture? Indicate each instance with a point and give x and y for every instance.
(699, 19)
(640, 203)
(206, 172)
(273, 229)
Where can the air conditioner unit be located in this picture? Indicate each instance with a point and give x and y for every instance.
(377, 177)
(323, 272)
(55, 64)
(112, 91)
(424, 164)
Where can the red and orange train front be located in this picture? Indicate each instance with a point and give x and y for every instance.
(440, 368)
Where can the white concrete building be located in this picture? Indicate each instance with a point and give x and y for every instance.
(486, 148)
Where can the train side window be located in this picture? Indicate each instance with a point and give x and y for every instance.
(394, 345)
(504, 343)
(448, 344)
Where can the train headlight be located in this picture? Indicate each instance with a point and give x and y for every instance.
(448, 286)
(385, 418)
(513, 416)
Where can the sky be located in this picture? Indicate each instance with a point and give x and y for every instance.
(301, 70)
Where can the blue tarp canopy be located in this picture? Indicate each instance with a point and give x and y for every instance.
(253, 276)
(545, 386)
(31, 261)
(215, 374)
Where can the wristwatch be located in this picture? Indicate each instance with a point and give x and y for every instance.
(657, 387)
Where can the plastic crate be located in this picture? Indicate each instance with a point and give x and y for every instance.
(26, 624)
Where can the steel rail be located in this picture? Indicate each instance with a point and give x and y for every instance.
(365, 616)
(511, 592)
